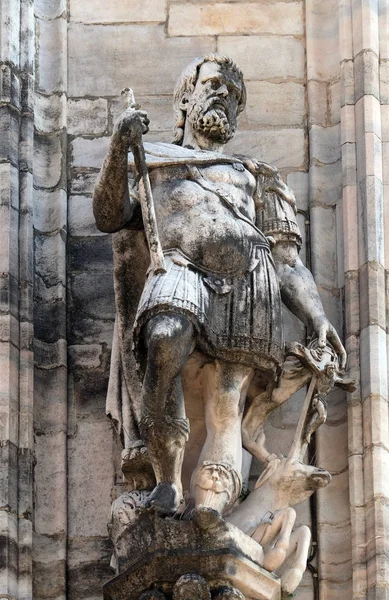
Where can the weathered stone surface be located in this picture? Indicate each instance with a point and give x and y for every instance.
(8, 476)
(299, 183)
(10, 86)
(325, 143)
(83, 181)
(243, 18)
(50, 476)
(116, 46)
(375, 425)
(365, 27)
(49, 9)
(88, 152)
(9, 243)
(49, 318)
(348, 124)
(8, 553)
(385, 122)
(373, 353)
(81, 221)
(368, 116)
(369, 157)
(93, 253)
(87, 356)
(281, 147)
(88, 566)
(9, 185)
(347, 89)
(87, 117)
(114, 12)
(384, 82)
(52, 55)
(322, 40)
(50, 112)
(49, 576)
(50, 209)
(326, 184)
(284, 56)
(266, 104)
(89, 514)
(10, 31)
(48, 160)
(50, 259)
(9, 135)
(88, 330)
(334, 102)
(317, 102)
(366, 73)
(50, 410)
(323, 227)
(371, 207)
(92, 296)
(50, 355)
(349, 165)
(372, 300)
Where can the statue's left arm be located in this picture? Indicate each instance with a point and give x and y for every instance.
(300, 295)
(276, 217)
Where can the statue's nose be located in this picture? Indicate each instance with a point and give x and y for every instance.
(222, 91)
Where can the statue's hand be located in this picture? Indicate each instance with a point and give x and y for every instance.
(325, 331)
(130, 127)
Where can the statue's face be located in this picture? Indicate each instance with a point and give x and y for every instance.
(213, 107)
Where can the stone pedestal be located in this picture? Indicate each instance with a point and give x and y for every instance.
(154, 553)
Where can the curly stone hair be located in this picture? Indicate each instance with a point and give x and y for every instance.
(186, 84)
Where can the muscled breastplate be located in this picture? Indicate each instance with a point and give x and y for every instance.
(208, 214)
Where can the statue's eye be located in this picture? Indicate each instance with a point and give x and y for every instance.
(214, 82)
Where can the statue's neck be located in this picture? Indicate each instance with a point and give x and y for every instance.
(197, 141)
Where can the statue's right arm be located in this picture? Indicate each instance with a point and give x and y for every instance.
(112, 206)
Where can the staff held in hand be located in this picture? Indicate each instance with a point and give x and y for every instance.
(145, 194)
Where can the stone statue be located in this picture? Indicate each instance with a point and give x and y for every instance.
(206, 246)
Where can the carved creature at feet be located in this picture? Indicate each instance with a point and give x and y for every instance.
(166, 499)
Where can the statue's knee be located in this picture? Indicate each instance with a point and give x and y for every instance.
(167, 337)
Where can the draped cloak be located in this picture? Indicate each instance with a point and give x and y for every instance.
(275, 218)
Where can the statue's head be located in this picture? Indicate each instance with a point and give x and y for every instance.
(210, 93)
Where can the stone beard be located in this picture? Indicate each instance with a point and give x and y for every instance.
(212, 120)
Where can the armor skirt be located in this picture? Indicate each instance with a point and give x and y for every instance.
(237, 319)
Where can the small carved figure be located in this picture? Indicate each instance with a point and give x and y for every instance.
(230, 241)
(268, 517)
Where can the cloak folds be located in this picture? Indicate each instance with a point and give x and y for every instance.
(276, 218)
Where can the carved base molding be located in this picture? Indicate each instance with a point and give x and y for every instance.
(197, 559)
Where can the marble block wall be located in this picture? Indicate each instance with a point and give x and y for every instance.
(317, 74)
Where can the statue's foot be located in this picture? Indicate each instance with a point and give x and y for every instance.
(291, 579)
(165, 499)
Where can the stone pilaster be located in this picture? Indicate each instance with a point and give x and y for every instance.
(364, 259)
(16, 309)
(325, 196)
(50, 205)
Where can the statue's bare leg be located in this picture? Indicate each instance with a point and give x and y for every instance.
(216, 483)
(164, 427)
(297, 555)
